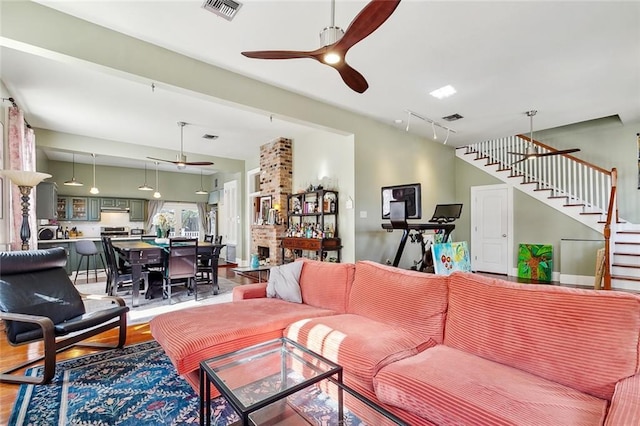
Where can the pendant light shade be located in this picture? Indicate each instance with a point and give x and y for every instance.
(201, 191)
(94, 189)
(157, 193)
(145, 187)
(73, 181)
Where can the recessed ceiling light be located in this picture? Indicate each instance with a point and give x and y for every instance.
(397, 121)
(443, 92)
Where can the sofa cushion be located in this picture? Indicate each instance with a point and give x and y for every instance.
(360, 345)
(284, 282)
(189, 336)
(325, 284)
(584, 339)
(414, 301)
(449, 386)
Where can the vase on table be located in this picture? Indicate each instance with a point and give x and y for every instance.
(159, 232)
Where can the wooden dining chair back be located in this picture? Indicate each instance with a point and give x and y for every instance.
(119, 276)
(182, 264)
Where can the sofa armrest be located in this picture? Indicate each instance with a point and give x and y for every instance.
(625, 404)
(249, 291)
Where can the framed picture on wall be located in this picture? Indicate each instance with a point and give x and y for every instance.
(265, 206)
(411, 194)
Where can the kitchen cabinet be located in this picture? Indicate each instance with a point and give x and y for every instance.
(137, 210)
(72, 208)
(73, 257)
(120, 203)
(46, 200)
(94, 209)
(312, 226)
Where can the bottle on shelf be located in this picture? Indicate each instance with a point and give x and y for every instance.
(66, 233)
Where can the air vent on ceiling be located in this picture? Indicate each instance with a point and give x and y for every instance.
(452, 117)
(224, 8)
(209, 137)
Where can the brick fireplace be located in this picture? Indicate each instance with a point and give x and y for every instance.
(276, 180)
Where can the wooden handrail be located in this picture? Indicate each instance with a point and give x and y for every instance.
(547, 147)
(613, 205)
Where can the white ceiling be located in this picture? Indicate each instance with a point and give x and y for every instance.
(572, 61)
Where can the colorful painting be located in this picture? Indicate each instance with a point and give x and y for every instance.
(535, 262)
(451, 257)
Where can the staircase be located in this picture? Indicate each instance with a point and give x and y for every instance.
(582, 191)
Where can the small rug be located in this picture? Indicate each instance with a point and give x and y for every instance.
(148, 308)
(135, 385)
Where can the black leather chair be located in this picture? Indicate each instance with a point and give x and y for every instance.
(38, 302)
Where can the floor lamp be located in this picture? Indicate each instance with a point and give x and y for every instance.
(25, 180)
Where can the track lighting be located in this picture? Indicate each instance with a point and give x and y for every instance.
(433, 123)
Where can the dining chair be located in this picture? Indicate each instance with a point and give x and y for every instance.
(119, 276)
(181, 264)
(208, 267)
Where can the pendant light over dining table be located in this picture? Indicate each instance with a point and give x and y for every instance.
(201, 191)
(145, 187)
(157, 193)
(73, 181)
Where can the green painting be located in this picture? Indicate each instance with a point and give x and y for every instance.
(535, 262)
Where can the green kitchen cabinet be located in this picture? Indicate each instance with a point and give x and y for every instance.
(120, 203)
(72, 208)
(93, 209)
(137, 210)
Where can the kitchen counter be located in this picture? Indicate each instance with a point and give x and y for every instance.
(74, 239)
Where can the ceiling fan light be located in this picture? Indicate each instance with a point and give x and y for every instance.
(181, 166)
(531, 151)
(332, 58)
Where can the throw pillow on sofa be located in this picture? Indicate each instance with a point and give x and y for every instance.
(284, 282)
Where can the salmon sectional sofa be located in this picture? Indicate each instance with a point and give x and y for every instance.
(440, 350)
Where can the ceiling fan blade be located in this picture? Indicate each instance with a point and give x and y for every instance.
(351, 77)
(366, 22)
(199, 163)
(520, 161)
(278, 54)
(560, 152)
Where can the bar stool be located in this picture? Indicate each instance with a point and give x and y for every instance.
(87, 249)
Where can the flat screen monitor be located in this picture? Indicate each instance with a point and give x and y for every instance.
(411, 194)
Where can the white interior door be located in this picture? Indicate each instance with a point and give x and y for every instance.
(491, 228)
(231, 212)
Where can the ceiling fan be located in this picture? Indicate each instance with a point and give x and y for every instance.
(336, 42)
(532, 151)
(181, 159)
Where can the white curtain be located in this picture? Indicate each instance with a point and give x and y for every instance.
(155, 206)
(204, 219)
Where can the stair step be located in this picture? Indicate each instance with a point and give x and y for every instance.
(624, 265)
(574, 205)
(625, 277)
(503, 169)
(544, 189)
(493, 163)
(529, 182)
(592, 213)
(629, 232)
(630, 243)
(554, 197)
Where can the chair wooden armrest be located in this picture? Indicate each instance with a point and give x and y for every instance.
(116, 299)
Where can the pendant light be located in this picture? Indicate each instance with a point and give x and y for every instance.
(94, 189)
(73, 181)
(145, 187)
(201, 191)
(157, 193)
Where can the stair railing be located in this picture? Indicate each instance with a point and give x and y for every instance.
(564, 175)
(612, 216)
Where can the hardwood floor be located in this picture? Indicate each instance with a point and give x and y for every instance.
(11, 355)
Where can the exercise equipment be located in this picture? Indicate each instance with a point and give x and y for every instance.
(442, 220)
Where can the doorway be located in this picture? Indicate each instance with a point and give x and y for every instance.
(492, 228)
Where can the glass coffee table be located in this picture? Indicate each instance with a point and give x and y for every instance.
(256, 377)
(283, 383)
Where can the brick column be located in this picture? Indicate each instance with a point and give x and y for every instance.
(276, 180)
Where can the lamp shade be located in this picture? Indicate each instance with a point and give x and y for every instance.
(25, 177)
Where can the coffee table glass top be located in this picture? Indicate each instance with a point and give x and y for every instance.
(254, 377)
(327, 402)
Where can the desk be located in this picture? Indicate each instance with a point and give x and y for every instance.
(140, 253)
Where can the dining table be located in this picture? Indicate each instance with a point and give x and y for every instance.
(141, 253)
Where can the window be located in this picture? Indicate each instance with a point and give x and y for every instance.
(187, 217)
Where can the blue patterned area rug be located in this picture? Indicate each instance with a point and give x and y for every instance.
(136, 385)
